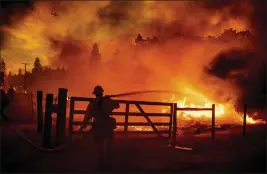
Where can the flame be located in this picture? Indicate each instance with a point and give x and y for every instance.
(220, 110)
(250, 120)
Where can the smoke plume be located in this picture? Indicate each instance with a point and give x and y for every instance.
(247, 71)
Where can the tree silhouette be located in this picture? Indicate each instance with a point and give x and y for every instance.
(95, 58)
(20, 72)
(37, 66)
(228, 35)
(37, 63)
(2, 66)
(2, 78)
(139, 39)
(95, 52)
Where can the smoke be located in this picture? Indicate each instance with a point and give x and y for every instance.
(115, 14)
(11, 14)
(121, 21)
(247, 71)
(225, 63)
(114, 20)
(253, 11)
(72, 52)
(244, 68)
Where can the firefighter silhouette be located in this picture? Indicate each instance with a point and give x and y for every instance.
(4, 103)
(103, 124)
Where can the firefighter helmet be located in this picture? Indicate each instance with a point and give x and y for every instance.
(98, 90)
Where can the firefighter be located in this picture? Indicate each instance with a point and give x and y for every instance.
(103, 125)
(4, 101)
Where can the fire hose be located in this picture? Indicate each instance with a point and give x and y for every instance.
(64, 145)
(145, 91)
(29, 141)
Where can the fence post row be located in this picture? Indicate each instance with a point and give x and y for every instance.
(170, 123)
(126, 114)
(126, 117)
(39, 111)
(61, 115)
(174, 128)
(172, 132)
(32, 104)
(48, 121)
(72, 105)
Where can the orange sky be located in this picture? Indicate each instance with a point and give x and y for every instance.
(95, 22)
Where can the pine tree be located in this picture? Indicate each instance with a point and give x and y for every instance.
(2, 72)
(20, 72)
(37, 66)
(95, 52)
(37, 63)
(2, 78)
(95, 58)
(2, 66)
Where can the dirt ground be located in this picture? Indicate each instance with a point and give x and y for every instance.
(230, 152)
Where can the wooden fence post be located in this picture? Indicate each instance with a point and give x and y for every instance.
(126, 118)
(32, 104)
(245, 120)
(170, 123)
(48, 121)
(39, 111)
(213, 122)
(174, 127)
(61, 115)
(72, 105)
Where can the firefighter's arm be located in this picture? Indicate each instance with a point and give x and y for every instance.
(117, 106)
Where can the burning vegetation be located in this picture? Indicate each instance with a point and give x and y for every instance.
(211, 52)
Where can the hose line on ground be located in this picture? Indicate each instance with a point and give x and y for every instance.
(33, 144)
